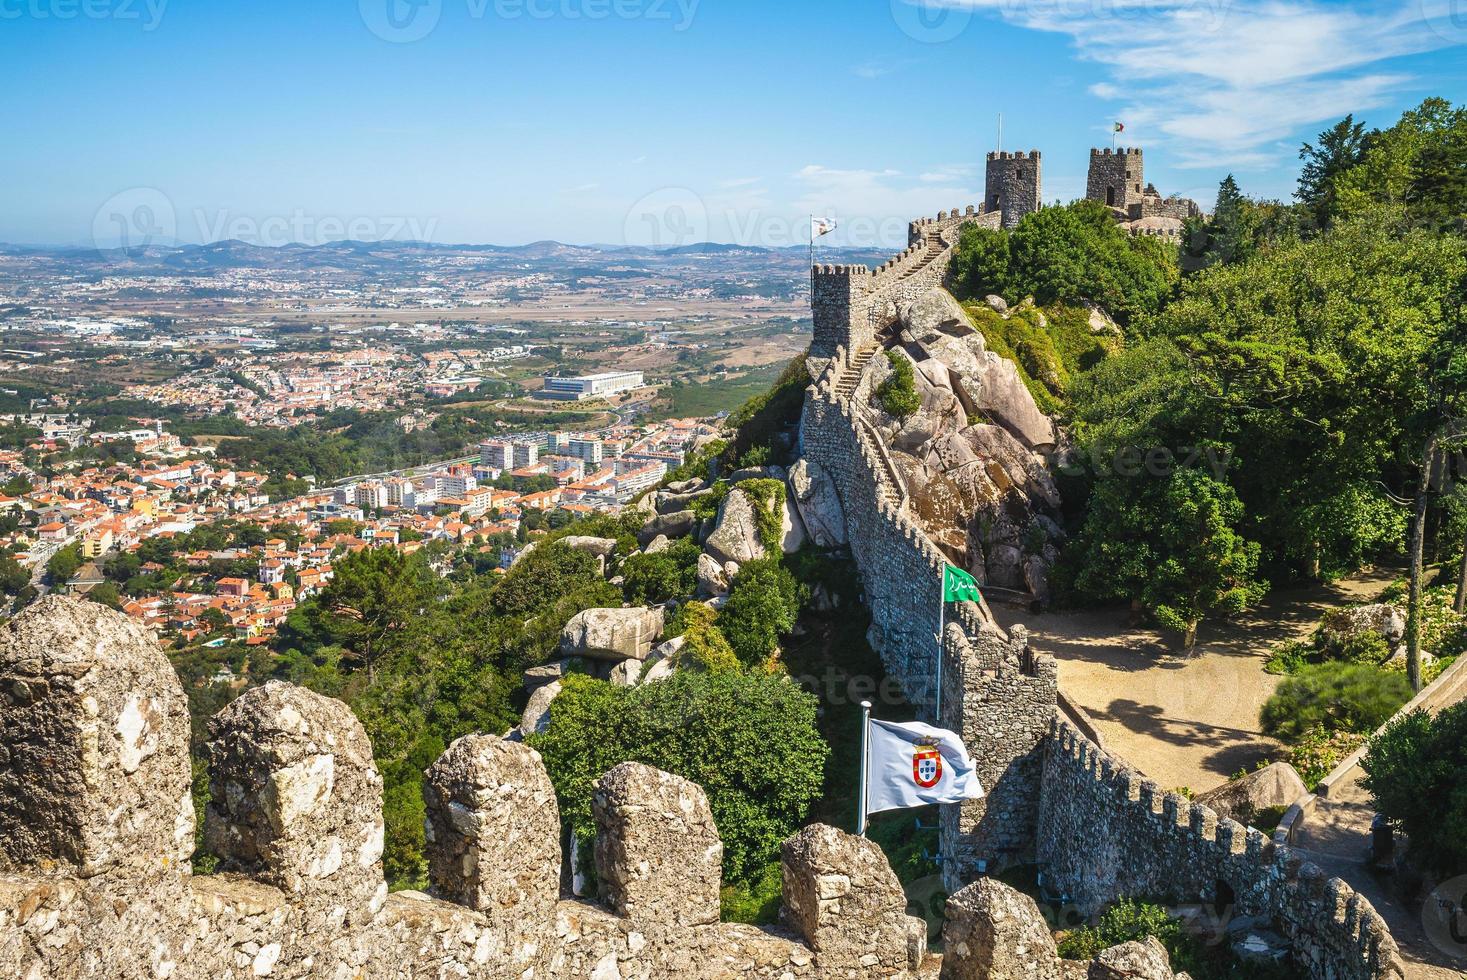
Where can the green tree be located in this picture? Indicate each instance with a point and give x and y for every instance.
(897, 394)
(1169, 543)
(63, 565)
(980, 264)
(1337, 150)
(669, 574)
(1416, 772)
(748, 739)
(374, 597)
(13, 576)
(762, 605)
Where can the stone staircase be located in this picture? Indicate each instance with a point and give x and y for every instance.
(850, 378)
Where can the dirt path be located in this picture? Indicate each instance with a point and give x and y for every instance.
(1184, 720)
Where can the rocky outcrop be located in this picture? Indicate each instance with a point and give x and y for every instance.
(1143, 960)
(971, 457)
(1275, 785)
(674, 525)
(713, 577)
(814, 495)
(994, 932)
(735, 538)
(611, 634)
(536, 715)
(1381, 618)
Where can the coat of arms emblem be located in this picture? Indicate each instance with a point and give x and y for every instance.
(926, 765)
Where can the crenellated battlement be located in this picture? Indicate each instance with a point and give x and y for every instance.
(97, 883)
(1106, 830)
(1013, 155)
(1121, 151)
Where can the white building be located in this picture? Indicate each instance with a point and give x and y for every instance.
(508, 455)
(370, 495)
(589, 450)
(591, 385)
(454, 484)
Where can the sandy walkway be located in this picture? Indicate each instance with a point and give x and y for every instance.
(1183, 720)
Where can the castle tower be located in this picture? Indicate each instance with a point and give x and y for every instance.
(1116, 178)
(1011, 185)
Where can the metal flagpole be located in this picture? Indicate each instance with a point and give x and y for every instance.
(865, 767)
(941, 625)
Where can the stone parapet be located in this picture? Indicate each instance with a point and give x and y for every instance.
(100, 886)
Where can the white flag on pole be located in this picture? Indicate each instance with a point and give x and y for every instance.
(821, 226)
(912, 764)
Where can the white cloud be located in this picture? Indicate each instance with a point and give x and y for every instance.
(888, 199)
(738, 182)
(1232, 78)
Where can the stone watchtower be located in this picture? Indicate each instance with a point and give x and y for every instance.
(1011, 185)
(1115, 177)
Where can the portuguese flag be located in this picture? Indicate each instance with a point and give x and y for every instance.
(958, 585)
(1120, 127)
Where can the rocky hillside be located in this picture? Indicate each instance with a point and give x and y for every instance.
(973, 452)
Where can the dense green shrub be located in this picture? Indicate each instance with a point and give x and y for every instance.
(1068, 254)
(1289, 657)
(748, 739)
(762, 605)
(668, 574)
(1416, 772)
(1368, 647)
(898, 393)
(1336, 697)
(704, 645)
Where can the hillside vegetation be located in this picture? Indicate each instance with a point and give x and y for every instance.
(1279, 384)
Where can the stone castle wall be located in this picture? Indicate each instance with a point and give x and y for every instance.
(1097, 830)
(851, 304)
(97, 827)
(1106, 831)
(997, 694)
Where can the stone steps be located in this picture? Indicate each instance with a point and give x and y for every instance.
(851, 377)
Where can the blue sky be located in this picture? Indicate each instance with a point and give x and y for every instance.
(658, 121)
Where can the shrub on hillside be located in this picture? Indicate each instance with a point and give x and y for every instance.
(898, 393)
(748, 739)
(668, 574)
(1335, 697)
(1416, 772)
(762, 605)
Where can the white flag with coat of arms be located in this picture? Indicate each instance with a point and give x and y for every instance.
(821, 226)
(912, 764)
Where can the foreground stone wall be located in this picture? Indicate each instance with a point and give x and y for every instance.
(1105, 831)
(97, 827)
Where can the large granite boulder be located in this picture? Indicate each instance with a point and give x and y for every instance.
(674, 525)
(1275, 785)
(612, 634)
(736, 536)
(814, 495)
(712, 578)
(1003, 397)
(994, 931)
(1144, 960)
(932, 313)
(1383, 618)
(536, 716)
